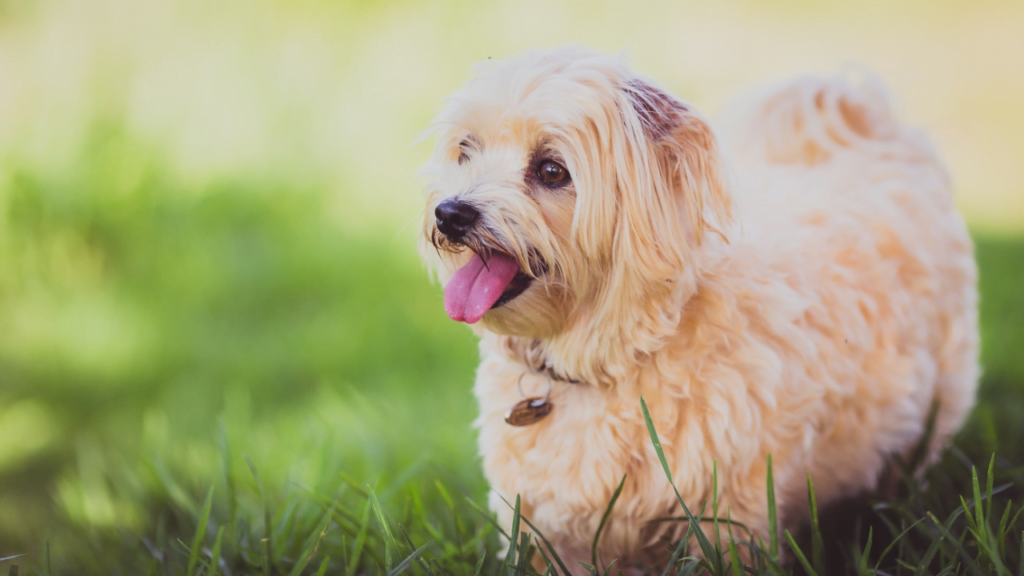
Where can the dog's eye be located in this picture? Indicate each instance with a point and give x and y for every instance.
(463, 155)
(552, 173)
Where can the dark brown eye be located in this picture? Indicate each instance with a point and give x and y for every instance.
(552, 173)
(463, 156)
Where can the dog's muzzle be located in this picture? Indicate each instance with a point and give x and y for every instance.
(491, 277)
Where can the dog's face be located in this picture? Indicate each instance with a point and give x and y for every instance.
(566, 191)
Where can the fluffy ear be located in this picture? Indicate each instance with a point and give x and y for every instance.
(686, 162)
(670, 195)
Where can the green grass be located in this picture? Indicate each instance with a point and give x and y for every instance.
(228, 373)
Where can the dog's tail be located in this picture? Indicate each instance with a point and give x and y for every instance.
(809, 120)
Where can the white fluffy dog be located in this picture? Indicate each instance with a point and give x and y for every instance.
(803, 289)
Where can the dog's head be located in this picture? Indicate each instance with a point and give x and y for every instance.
(565, 193)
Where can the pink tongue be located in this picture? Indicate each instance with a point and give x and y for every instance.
(474, 288)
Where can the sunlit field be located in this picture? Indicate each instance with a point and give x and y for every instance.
(209, 277)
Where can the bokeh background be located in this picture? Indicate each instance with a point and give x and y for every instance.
(208, 224)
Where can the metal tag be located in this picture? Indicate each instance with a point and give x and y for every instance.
(528, 411)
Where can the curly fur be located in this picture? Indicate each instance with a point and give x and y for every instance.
(807, 291)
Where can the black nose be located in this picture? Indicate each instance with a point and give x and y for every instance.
(455, 218)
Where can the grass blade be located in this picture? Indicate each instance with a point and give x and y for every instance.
(773, 517)
(897, 540)
(487, 516)
(547, 561)
(979, 506)
(265, 556)
(314, 541)
(423, 563)
(200, 535)
(390, 544)
(862, 565)
(524, 554)
(929, 554)
(322, 571)
(268, 526)
(1020, 567)
(539, 534)
(988, 486)
(229, 478)
(689, 569)
(734, 560)
(408, 561)
(357, 552)
(480, 564)
(513, 541)
(944, 530)
(215, 554)
(455, 517)
(714, 507)
(678, 551)
(604, 519)
(817, 543)
(799, 555)
(702, 539)
(1001, 532)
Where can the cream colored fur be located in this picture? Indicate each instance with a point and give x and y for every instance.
(803, 289)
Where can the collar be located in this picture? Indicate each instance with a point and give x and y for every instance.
(531, 354)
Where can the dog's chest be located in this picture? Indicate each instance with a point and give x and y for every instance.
(568, 462)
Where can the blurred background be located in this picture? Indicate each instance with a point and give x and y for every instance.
(207, 226)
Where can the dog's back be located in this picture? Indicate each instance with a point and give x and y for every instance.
(829, 181)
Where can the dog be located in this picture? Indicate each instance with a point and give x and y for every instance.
(796, 284)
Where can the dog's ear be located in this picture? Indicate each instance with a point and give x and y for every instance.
(671, 192)
(686, 162)
(669, 196)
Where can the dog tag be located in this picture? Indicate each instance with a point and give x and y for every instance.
(528, 411)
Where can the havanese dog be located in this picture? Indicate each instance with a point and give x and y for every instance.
(799, 285)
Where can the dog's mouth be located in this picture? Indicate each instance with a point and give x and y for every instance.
(485, 283)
